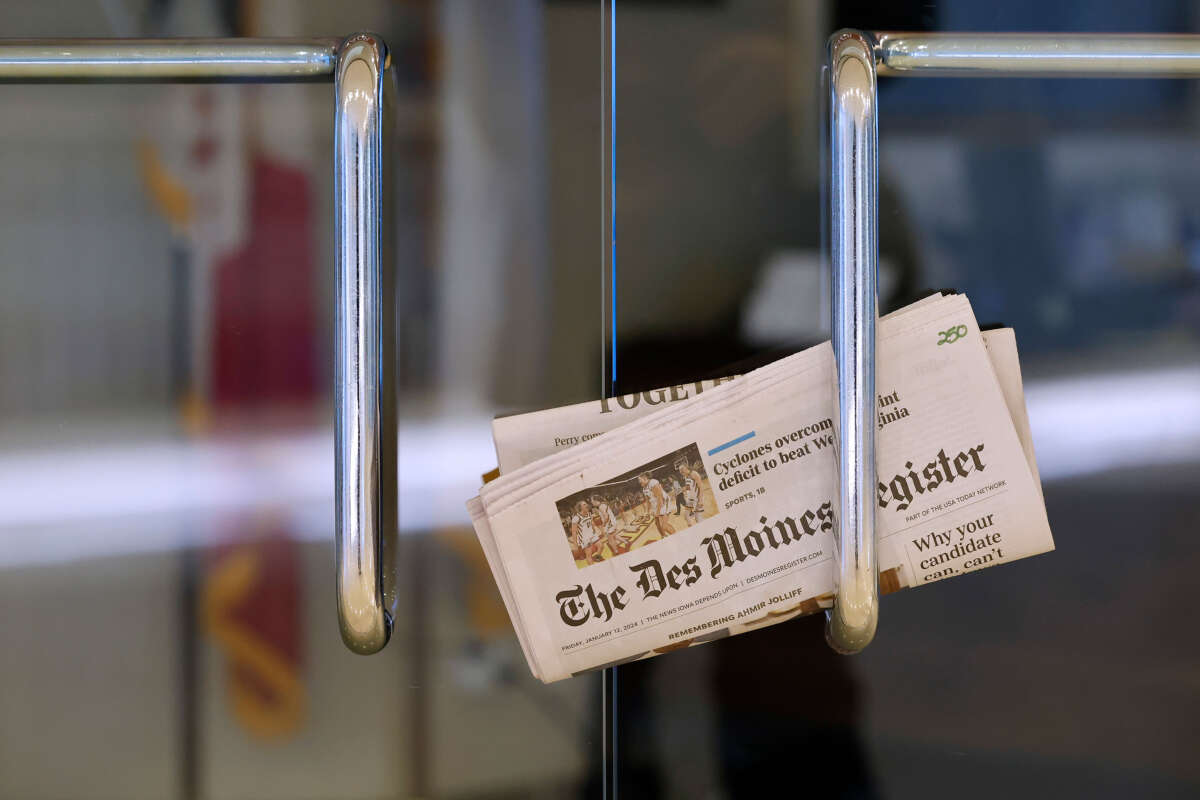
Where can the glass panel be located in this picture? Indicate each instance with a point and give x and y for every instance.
(166, 455)
(1066, 209)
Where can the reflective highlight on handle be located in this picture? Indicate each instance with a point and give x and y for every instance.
(853, 186)
(165, 60)
(1064, 55)
(364, 352)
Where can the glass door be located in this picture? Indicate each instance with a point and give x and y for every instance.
(591, 199)
(1066, 209)
(168, 623)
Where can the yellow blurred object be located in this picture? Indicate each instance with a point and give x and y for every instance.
(194, 414)
(168, 194)
(269, 718)
(485, 609)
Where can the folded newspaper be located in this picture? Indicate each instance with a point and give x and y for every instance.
(629, 527)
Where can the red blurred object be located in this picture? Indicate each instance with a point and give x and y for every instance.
(264, 346)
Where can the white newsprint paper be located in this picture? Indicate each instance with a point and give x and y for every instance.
(630, 527)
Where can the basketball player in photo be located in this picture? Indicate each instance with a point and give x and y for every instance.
(583, 528)
(612, 527)
(693, 492)
(672, 509)
(660, 504)
(576, 552)
(677, 495)
(623, 509)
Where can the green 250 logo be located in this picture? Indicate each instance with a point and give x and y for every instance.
(951, 335)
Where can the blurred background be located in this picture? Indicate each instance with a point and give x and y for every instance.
(167, 624)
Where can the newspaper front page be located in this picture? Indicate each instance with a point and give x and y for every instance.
(715, 513)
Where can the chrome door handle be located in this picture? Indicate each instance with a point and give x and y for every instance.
(364, 369)
(854, 243)
(364, 352)
(854, 250)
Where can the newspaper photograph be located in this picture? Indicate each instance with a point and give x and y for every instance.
(640, 507)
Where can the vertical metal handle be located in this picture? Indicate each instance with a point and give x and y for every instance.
(364, 354)
(853, 184)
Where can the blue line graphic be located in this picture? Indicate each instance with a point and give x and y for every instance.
(612, 192)
(731, 443)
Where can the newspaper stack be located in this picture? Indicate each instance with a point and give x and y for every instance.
(629, 527)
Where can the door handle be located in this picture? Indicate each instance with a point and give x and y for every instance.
(853, 239)
(364, 351)
(365, 320)
(855, 58)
